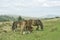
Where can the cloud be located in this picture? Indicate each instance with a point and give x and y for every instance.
(42, 3)
(38, 2)
(26, 6)
(35, 3)
(20, 4)
(51, 4)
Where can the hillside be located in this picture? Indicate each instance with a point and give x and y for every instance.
(13, 17)
(51, 32)
(6, 18)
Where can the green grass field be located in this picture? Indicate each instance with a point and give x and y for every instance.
(51, 32)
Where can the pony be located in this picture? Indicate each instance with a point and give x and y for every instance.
(38, 23)
(26, 25)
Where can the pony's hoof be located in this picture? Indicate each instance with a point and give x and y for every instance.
(24, 32)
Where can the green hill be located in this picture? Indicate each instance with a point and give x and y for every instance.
(6, 18)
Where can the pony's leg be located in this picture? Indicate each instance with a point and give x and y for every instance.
(13, 28)
(41, 25)
(37, 27)
(22, 29)
(31, 29)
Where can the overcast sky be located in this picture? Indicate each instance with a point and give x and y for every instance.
(36, 8)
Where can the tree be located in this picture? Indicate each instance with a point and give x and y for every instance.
(57, 17)
(19, 18)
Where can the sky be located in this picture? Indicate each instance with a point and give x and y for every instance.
(33, 8)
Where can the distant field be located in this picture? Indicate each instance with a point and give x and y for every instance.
(51, 31)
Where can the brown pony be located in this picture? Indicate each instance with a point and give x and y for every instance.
(38, 23)
(25, 25)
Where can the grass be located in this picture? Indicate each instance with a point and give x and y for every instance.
(51, 32)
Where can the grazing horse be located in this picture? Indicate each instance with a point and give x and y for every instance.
(37, 23)
(25, 25)
(22, 25)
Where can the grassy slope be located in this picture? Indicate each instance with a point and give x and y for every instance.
(51, 32)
